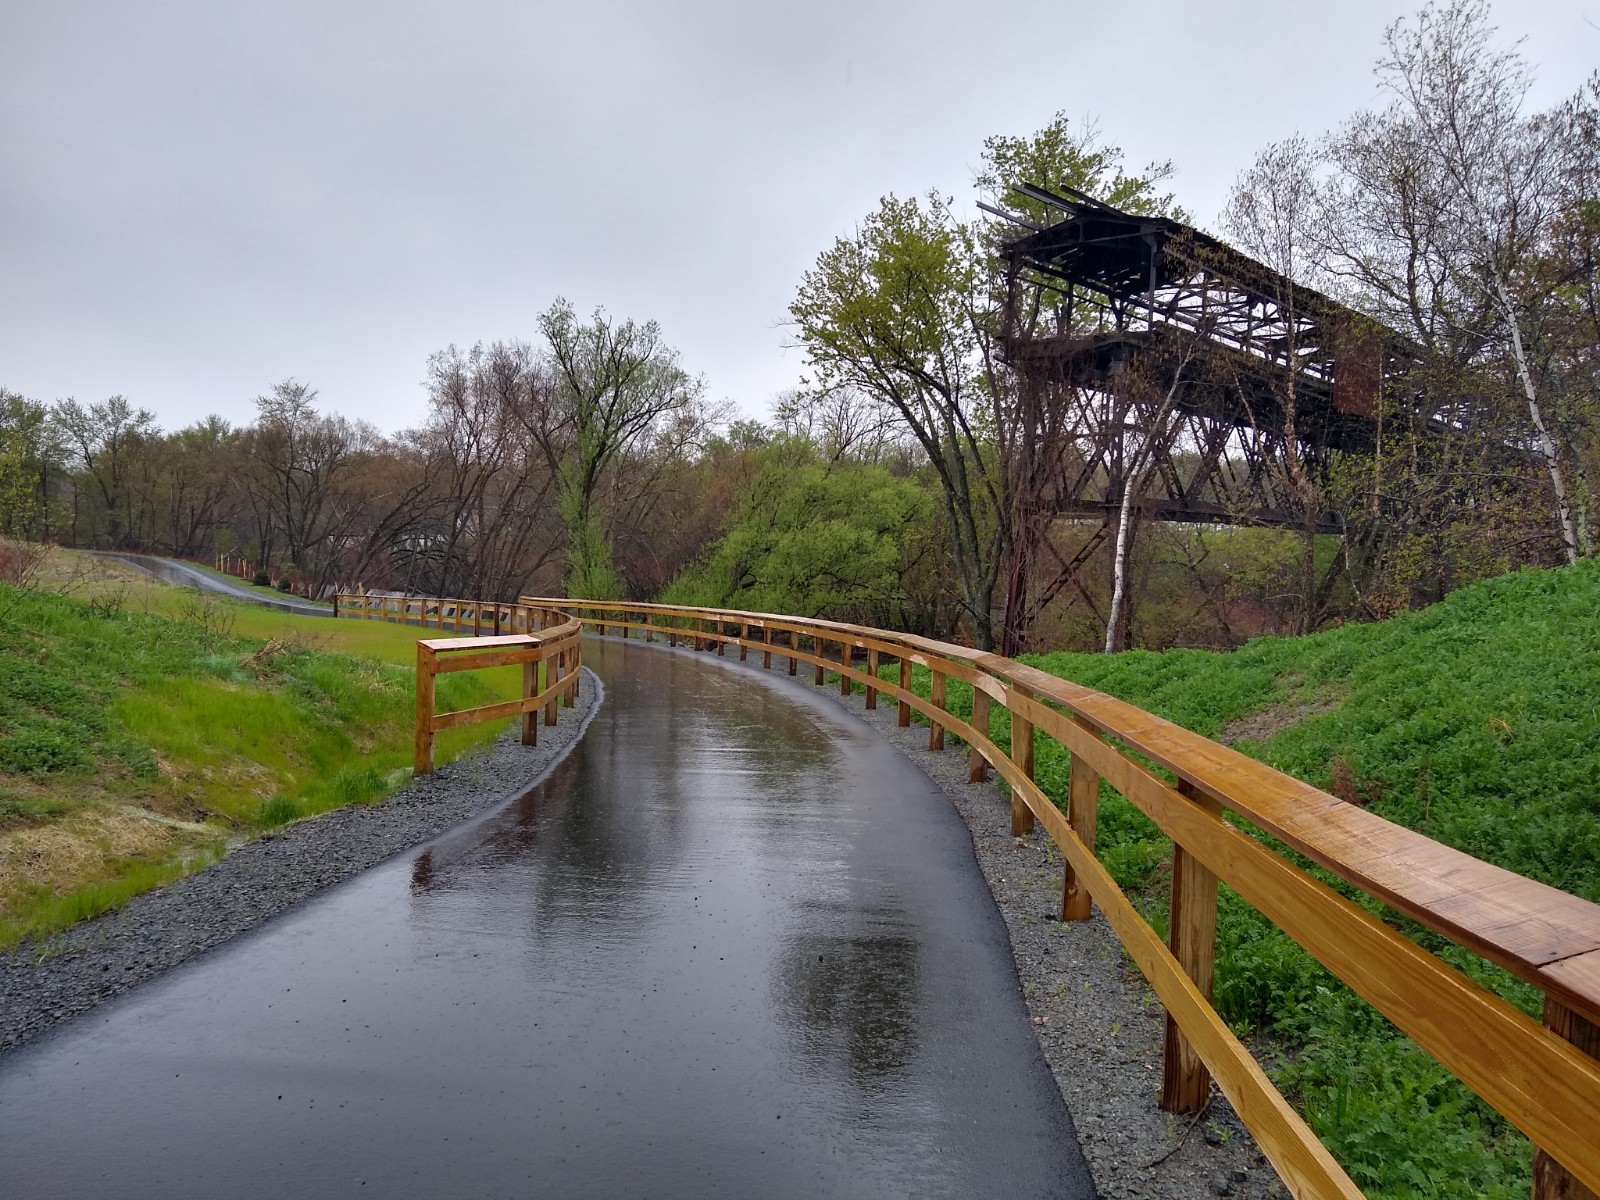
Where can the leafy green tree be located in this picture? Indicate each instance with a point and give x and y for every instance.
(813, 538)
(613, 387)
(907, 313)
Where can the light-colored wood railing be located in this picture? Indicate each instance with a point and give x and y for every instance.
(478, 618)
(545, 642)
(1544, 1079)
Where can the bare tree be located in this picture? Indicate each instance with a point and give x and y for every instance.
(1492, 173)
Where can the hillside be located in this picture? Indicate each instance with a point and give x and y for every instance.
(138, 745)
(1476, 721)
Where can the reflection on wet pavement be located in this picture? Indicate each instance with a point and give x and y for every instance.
(734, 944)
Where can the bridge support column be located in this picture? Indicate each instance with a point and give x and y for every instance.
(1192, 937)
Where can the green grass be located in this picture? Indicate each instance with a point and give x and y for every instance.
(1476, 721)
(133, 744)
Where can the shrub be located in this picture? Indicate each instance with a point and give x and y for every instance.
(284, 585)
(262, 579)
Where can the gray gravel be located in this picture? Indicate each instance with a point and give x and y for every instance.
(44, 984)
(1098, 1023)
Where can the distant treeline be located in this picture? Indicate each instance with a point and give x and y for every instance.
(911, 479)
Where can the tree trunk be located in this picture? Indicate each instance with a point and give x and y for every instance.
(1547, 445)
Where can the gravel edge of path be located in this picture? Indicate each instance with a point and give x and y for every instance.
(1098, 1024)
(44, 984)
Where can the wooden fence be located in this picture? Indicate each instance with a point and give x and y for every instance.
(1544, 1078)
(550, 664)
(479, 618)
(545, 642)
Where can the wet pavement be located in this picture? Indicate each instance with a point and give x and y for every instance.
(734, 945)
(172, 570)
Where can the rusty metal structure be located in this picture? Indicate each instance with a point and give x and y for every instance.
(1147, 349)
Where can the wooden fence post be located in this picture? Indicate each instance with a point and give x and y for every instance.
(1192, 938)
(1552, 1181)
(422, 760)
(744, 636)
(977, 764)
(794, 645)
(1022, 755)
(904, 718)
(552, 676)
(1083, 814)
(530, 688)
(766, 651)
(722, 641)
(936, 730)
(872, 674)
(847, 657)
(816, 648)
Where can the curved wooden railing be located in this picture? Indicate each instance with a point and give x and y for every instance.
(1544, 1079)
(544, 641)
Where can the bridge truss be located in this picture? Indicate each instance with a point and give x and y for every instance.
(1161, 365)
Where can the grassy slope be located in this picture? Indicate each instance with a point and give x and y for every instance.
(134, 745)
(1477, 721)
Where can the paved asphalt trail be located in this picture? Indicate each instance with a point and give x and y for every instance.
(176, 571)
(734, 945)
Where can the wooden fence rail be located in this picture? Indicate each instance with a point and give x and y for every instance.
(1545, 1079)
(547, 644)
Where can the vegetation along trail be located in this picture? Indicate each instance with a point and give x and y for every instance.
(736, 942)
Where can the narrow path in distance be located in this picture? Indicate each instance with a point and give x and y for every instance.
(735, 945)
(173, 570)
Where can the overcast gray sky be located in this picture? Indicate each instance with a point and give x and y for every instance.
(199, 198)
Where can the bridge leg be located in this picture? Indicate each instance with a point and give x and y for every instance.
(1552, 1181)
(744, 636)
(904, 718)
(766, 654)
(794, 644)
(722, 639)
(1022, 755)
(816, 648)
(1083, 814)
(1192, 920)
(872, 673)
(977, 764)
(936, 730)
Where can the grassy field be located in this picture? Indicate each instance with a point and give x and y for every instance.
(144, 728)
(1476, 721)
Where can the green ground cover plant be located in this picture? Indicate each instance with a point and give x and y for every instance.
(1475, 721)
(137, 745)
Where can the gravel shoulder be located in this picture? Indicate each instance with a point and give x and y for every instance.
(1099, 1025)
(42, 985)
